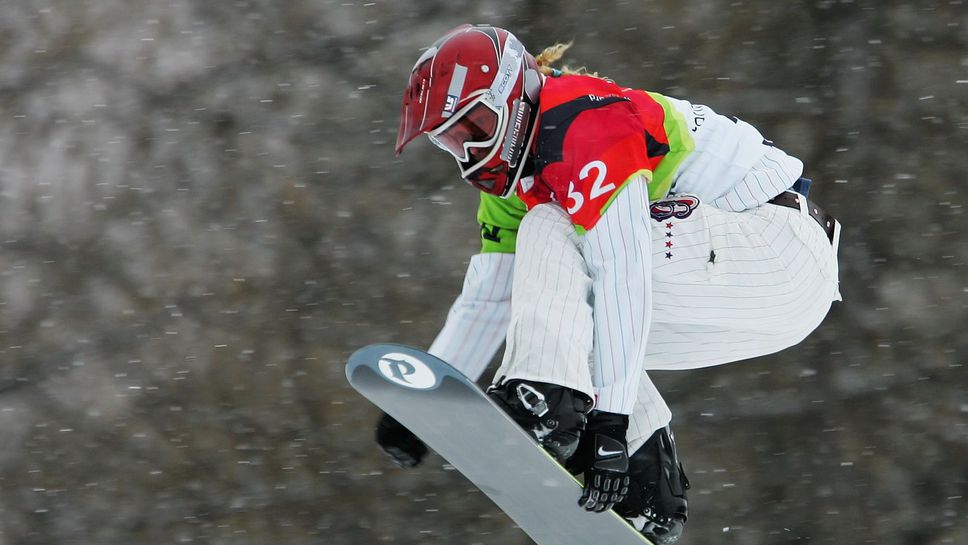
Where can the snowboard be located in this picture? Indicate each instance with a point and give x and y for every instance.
(453, 416)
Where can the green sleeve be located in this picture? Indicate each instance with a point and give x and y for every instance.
(681, 144)
(499, 219)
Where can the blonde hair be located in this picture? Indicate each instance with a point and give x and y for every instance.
(552, 54)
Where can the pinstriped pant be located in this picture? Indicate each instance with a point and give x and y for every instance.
(726, 286)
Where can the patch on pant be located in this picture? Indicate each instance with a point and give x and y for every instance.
(678, 207)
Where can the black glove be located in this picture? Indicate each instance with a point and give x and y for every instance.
(406, 449)
(607, 472)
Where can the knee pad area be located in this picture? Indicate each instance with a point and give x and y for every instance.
(656, 505)
(659, 483)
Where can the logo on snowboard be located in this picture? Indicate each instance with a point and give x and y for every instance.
(407, 370)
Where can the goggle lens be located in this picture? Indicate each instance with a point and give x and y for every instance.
(470, 137)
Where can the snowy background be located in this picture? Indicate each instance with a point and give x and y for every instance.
(201, 217)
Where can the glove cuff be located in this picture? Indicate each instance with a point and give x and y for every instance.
(611, 424)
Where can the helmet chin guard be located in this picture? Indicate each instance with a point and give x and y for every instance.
(474, 93)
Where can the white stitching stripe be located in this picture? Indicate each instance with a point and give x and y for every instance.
(430, 52)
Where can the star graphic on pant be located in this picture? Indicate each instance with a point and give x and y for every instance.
(669, 244)
(668, 255)
(668, 234)
(669, 225)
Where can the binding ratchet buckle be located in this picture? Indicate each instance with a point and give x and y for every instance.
(532, 399)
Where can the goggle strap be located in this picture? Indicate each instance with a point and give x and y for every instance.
(517, 127)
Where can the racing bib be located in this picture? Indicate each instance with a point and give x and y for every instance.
(588, 150)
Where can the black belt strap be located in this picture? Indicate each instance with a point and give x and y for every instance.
(791, 199)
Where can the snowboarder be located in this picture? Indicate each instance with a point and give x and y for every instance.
(623, 231)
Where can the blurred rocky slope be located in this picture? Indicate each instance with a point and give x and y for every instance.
(201, 216)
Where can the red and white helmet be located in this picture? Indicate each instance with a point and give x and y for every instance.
(474, 92)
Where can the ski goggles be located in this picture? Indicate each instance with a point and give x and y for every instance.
(471, 134)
